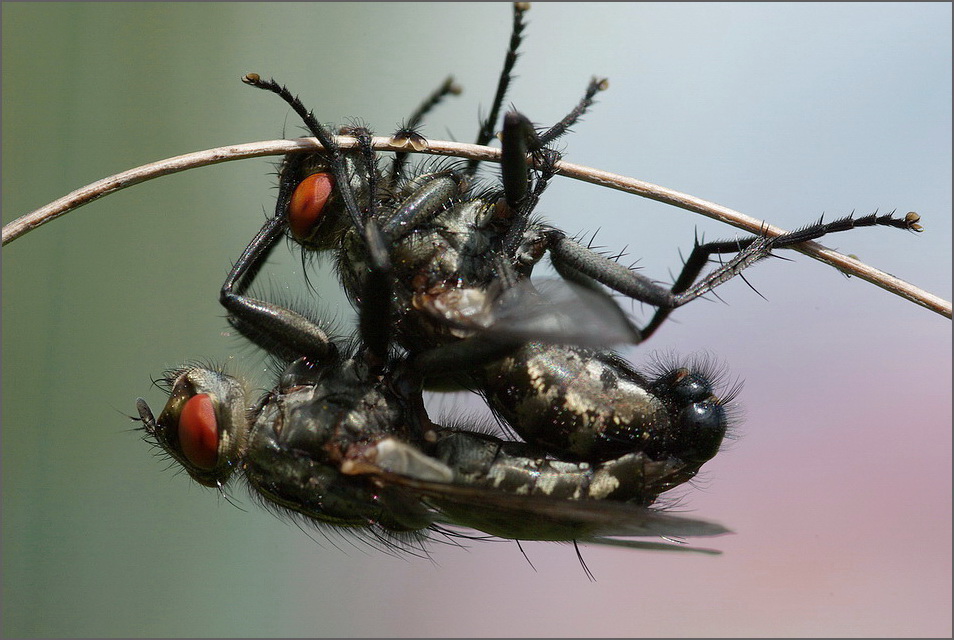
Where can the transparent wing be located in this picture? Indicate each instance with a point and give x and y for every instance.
(559, 311)
(521, 517)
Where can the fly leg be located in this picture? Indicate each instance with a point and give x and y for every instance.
(595, 86)
(570, 255)
(289, 334)
(486, 131)
(408, 133)
(278, 330)
(754, 248)
(519, 138)
(424, 203)
(369, 159)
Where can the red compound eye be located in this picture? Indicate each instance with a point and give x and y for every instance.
(198, 432)
(308, 202)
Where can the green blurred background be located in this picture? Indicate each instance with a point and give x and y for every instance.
(839, 486)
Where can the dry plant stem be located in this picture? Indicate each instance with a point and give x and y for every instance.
(96, 190)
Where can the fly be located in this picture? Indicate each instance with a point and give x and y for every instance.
(343, 439)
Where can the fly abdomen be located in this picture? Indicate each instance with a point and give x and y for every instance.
(590, 405)
(510, 466)
(577, 403)
(519, 469)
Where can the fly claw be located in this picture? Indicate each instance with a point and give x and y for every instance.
(409, 138)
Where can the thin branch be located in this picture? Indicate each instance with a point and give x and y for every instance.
(98, 189)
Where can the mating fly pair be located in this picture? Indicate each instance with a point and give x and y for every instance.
(438, 265)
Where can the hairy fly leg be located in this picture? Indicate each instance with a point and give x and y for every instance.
(569, 255)
(754, 248)
(521, 140)
(280, 331)
(488, 125)
(288, 334)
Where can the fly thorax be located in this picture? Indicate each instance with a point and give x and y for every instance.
(465, 226)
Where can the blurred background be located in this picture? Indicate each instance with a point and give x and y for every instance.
(838, 486)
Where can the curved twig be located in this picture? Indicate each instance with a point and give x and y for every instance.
(95, 190)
